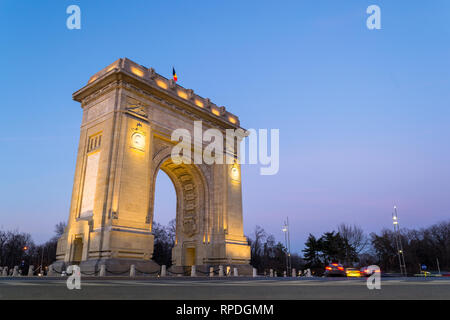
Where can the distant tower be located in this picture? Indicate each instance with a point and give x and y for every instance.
(398, 243)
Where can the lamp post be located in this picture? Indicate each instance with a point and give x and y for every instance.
(22, 263)
(42, 261)
(288, 244)
(398, 243)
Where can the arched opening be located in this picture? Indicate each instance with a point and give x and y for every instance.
(192, 224)
(164, 219)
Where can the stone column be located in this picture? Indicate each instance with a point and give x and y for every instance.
(193, 271)
(254, 273)
(16, 271)
(31, 271)
(220, 271)
(211, 271)
(132, 271)
(5, 272)
(271, 273)
(163, 270)
(235, 272)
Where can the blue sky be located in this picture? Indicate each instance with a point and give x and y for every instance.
(363, 114)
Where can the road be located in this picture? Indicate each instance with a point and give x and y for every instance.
(223, 289)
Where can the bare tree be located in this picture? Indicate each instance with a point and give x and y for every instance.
(257, 245)
(260, 236)
(171, 231)
(355, 236)
(59, 229)
(14, 247)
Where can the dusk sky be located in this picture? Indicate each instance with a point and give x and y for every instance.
(363, 114)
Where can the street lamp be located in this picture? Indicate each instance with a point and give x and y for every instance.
(398, 242)
(42, 260)
(287, 240)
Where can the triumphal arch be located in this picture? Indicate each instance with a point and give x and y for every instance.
(129, 114)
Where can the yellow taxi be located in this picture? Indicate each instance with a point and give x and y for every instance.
(352, 272)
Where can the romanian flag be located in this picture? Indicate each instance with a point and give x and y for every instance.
(175, 78)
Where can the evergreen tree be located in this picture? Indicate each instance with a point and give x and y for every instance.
(312, 252)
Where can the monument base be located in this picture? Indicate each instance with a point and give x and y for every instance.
(113, 267)
(56, 268)
(120, 267)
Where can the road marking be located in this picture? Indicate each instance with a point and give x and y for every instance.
(17, 283)
(227, 283)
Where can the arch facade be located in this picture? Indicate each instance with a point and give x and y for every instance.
(129, 113)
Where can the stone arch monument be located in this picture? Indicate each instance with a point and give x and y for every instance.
(129, 113)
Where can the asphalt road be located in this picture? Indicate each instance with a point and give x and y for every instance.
(223, 289)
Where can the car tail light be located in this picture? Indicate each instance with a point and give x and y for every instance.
(341, 268)
(328, 268)
(334, 264)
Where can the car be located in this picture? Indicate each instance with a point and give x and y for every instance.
(352, 272)
(365, 271)
(334, 270)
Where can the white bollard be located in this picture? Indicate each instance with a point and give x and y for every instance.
(220, 271)
(16, 271)
(235, 272)
(254, 273)
(163, 270)
(132, 271)
(5, 272)
(275, 274)
(294, 274)
(211, 271)
(271, 273)
(31, 271)
(193, 271)
(284, 274)
(308, 273)
(51, 271)
(102, 272)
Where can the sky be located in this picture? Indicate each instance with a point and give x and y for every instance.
(363, 114)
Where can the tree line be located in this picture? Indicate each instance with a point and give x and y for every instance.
(18, 249)
(348, 245)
